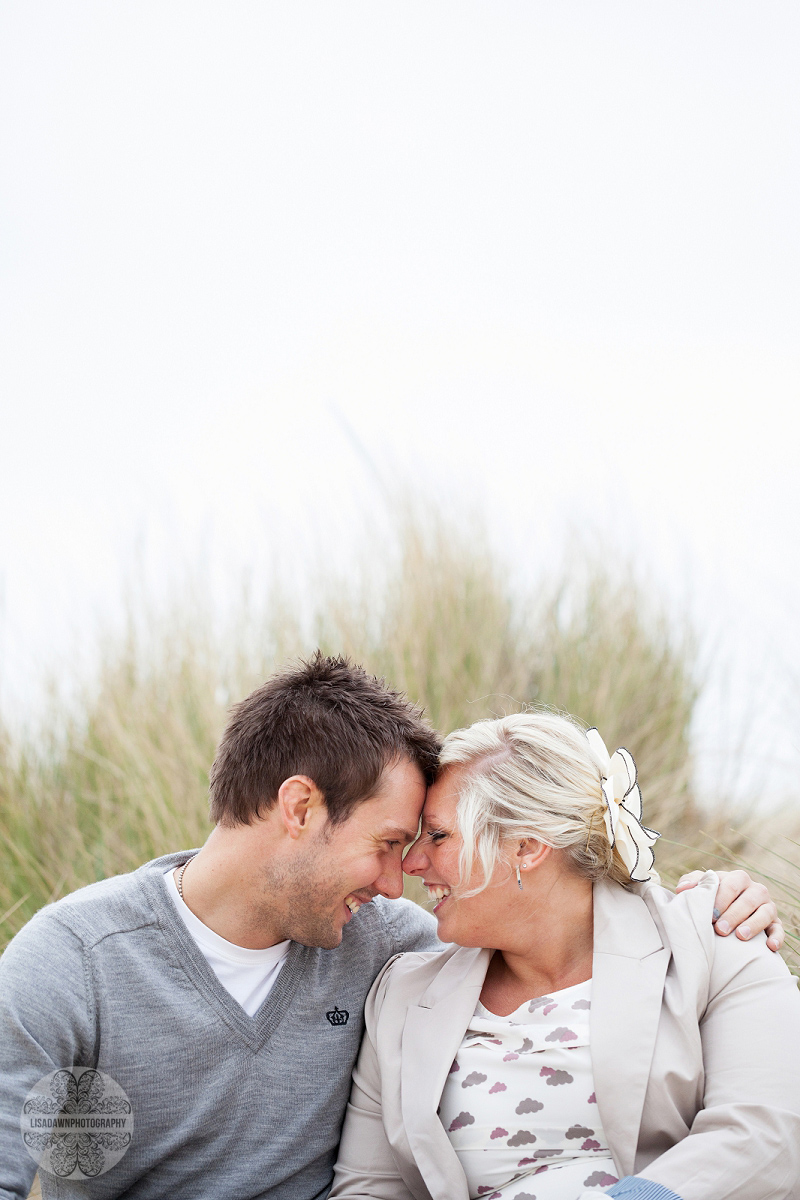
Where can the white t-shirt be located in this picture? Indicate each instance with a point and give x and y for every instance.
(247, 974)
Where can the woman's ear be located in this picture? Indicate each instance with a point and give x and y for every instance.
(531, 854)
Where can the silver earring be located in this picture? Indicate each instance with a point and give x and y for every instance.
(519, 878)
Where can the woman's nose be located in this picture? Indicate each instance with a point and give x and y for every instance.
(415, 861)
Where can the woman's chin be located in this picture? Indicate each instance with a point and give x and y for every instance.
(455, 933)
(444, 928)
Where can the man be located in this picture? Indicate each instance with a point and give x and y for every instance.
(223, 990)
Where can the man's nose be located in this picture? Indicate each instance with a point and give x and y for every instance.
(390, 883)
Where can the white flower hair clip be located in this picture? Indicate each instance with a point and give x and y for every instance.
(623, 809)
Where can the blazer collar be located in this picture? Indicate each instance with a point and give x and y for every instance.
(628, 973)
(622, 922)
(432, 1034)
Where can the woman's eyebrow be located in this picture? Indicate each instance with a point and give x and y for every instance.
(432, 823)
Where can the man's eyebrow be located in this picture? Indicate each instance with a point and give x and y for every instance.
(399, 832)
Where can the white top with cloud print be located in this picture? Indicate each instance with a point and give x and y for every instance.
(519, 1104)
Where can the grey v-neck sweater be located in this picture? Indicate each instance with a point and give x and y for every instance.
(224, 1105)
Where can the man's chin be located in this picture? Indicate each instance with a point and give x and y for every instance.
(320, 936)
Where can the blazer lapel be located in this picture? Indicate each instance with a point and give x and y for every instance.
(432, 1034)
(629, 969)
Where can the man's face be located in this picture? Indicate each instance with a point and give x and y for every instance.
(344, 866)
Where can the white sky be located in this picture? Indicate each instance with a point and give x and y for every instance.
(541, 256)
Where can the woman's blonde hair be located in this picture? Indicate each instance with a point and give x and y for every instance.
(531, 775)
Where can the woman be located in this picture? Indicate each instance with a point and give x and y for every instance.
(587, 1032)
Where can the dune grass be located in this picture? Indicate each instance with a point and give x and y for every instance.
(121, 775)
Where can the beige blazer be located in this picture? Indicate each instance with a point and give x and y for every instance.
(695, 1044)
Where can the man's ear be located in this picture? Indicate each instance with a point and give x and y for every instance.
(299, 804)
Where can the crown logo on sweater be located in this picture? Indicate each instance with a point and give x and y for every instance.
(338, 1016)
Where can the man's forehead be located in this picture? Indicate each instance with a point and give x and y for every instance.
(396, 806)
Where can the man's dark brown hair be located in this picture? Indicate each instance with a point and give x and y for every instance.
(325, 718)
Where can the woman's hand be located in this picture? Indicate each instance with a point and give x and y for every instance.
(742, 907)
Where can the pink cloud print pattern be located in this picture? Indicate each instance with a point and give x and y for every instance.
(519, 1104)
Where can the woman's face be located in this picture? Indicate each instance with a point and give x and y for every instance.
(480, 920)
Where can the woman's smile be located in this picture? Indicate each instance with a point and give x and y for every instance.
(437, 894)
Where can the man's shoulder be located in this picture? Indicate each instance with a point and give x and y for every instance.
(119, 904)
(392, 927)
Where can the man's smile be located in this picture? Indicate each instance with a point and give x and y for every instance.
(354, 903)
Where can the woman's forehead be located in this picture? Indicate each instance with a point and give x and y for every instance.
(442, 796)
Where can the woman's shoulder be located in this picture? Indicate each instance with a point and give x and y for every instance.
(644, 917)
(406, 979)
(685, 923)
(413, 971)
(684, 916)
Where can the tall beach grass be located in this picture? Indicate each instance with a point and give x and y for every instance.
(120, 775)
